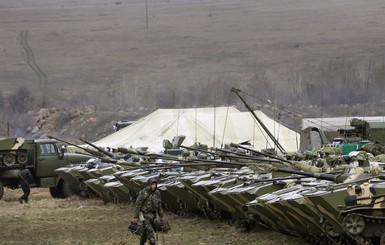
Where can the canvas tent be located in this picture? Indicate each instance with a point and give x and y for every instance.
(211, 126)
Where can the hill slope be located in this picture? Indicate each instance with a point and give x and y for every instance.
(102, 53)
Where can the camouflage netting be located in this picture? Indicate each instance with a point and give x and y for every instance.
(361, 156)
(327, 150)
(332, 150)
(378, 158)
(374, 148)
(306, 166)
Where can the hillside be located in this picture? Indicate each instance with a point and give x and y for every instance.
(104, 52)
(100, 61)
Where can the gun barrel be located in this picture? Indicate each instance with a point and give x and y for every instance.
(323, 176)
(68, 143)
(98, 148)
(246, 157)
(279, 146)
(202, 162)
(261, 153)
(197, 149)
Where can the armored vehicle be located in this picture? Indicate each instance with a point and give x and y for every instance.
(41, 157)
(363, 213)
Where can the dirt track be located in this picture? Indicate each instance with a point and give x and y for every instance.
(74, 221)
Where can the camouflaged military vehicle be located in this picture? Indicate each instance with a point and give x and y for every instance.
(362, 214)
(41, 157)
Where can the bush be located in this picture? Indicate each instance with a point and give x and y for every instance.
(64, 118)
(21, 100)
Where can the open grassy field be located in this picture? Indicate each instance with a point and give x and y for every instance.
(74, 221)
(104, 52)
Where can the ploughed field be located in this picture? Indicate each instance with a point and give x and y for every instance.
(89, 221)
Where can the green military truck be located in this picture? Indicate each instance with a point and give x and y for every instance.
(42, 157)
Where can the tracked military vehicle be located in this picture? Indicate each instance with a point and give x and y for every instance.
(363, 214)
(41, 157)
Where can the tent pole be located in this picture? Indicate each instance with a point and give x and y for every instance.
(196, 138)
(214, 126)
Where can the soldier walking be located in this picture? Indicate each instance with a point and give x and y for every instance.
(25, 179)
(148, 205)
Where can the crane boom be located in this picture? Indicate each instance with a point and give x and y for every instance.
(279, 146)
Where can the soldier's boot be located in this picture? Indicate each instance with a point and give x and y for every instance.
(142, 240)
(152, 242)
(21, 200)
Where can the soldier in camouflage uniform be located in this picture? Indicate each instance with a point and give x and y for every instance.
(25, 179)
(149, 204)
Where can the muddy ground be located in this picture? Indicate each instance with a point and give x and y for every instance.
(75, 221)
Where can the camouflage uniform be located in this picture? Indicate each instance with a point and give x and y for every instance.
(149, 203)
(25, 179)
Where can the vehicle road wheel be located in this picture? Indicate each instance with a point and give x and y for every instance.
(62, 190)
(330, 229)
(1, 190)
(9, 160)
(354, 224)
(66, 190)
(83, 190)
(22, 158)
(54, 192)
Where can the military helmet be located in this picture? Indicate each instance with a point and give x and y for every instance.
(151, 180)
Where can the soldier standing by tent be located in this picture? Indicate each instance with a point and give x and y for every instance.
(148, 205)
(25, 179)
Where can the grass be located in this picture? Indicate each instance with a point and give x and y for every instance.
(100, 52)
(74, 221)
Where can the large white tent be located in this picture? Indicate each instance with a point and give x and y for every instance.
(211, 126)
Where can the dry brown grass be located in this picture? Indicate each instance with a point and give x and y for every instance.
(73, 221)
(102, 53)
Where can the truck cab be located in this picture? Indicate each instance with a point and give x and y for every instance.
(41, 156)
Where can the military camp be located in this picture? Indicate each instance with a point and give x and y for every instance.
(192, 122)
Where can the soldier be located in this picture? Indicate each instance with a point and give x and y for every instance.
(148, 205)
(25, 179)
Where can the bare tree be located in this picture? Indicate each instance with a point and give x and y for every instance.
(295, 83)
